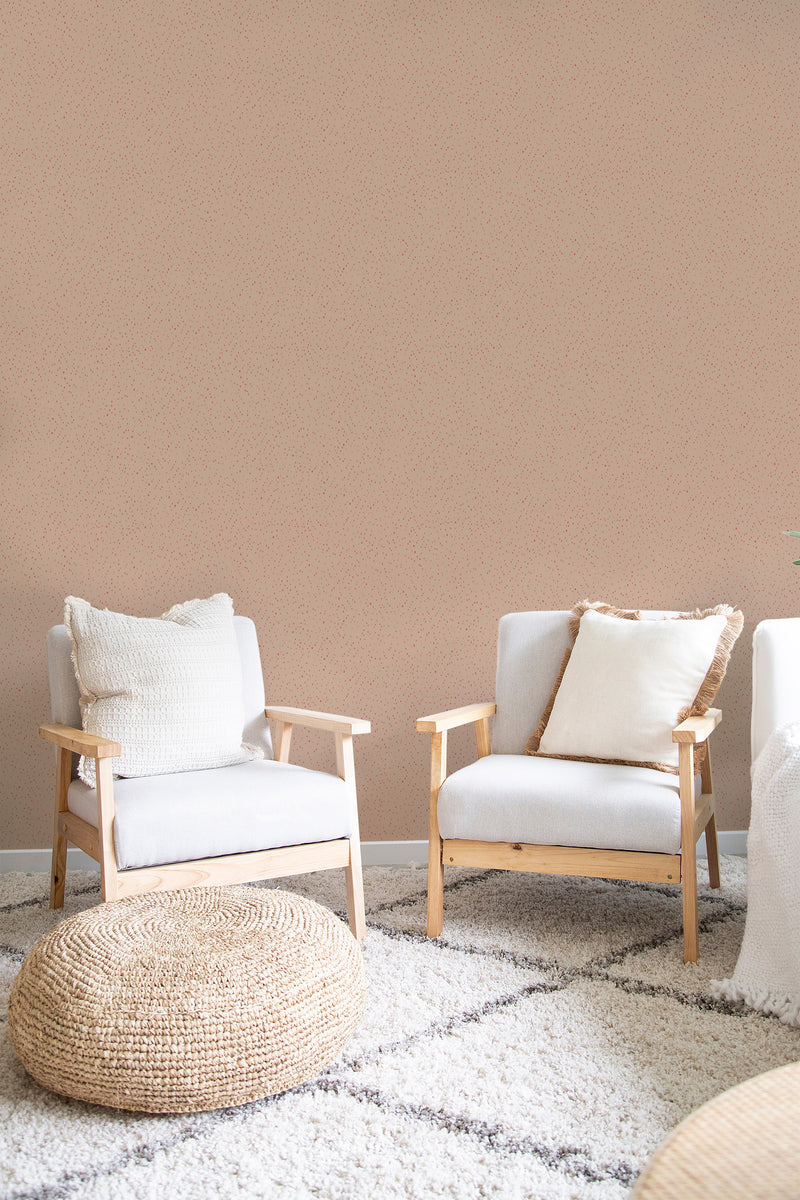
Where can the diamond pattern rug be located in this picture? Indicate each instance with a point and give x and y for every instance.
(542, 1047)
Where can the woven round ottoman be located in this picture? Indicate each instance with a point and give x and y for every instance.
(189, 1000)
(742, 1145)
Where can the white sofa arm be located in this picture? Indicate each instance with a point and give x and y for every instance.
(776, 679)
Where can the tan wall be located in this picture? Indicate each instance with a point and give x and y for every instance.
(389, 318)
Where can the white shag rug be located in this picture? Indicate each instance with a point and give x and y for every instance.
(542, 1047)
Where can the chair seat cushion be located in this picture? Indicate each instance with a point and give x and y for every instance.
(258, 805)
(555, 802)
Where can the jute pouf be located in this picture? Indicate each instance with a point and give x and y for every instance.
(189, 1000)
(742, 1145)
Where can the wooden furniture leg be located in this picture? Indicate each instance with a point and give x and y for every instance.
(711, 828)
(355, 892)
(345, 766)
(58, 870)
(435, 868)
(688, 852)
(105, 825)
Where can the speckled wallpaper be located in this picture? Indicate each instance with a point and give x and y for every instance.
(387, 319)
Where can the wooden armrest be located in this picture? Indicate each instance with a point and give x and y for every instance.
(318, 720)
(437, 722)
(697, 729)
(80, 742)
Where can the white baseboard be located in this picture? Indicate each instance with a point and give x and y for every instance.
(374, 854)
(729, 841)
(39, 860)
(394, 854)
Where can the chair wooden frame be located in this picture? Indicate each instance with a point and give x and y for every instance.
(98, 842)
(697, 817)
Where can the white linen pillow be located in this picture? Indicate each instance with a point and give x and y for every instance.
(624, 686)
(168, 689)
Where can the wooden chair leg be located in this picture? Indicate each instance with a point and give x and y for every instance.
(105, 824)
(435, 888)
(689, 890)
(58, 870)
(435, 867)
(688, 852)
(355, 893)
(346, 769)
(713, 853)
(711, 827)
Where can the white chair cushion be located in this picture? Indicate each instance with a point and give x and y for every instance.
(257, 805)
(168, 689)
(555, 802)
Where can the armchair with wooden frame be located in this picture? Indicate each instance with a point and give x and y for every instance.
(256, 820)
(516, 812)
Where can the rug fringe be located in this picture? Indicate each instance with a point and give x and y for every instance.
(787, 1008)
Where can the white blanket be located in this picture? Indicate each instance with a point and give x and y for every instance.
(767, 974)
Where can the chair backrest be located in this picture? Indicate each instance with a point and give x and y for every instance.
(776, 679)
(530, 647)
(65, 694)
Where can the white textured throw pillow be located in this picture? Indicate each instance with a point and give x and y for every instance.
(624, 686)
(168, 689)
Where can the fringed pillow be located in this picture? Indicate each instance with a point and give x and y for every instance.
(628, 680)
